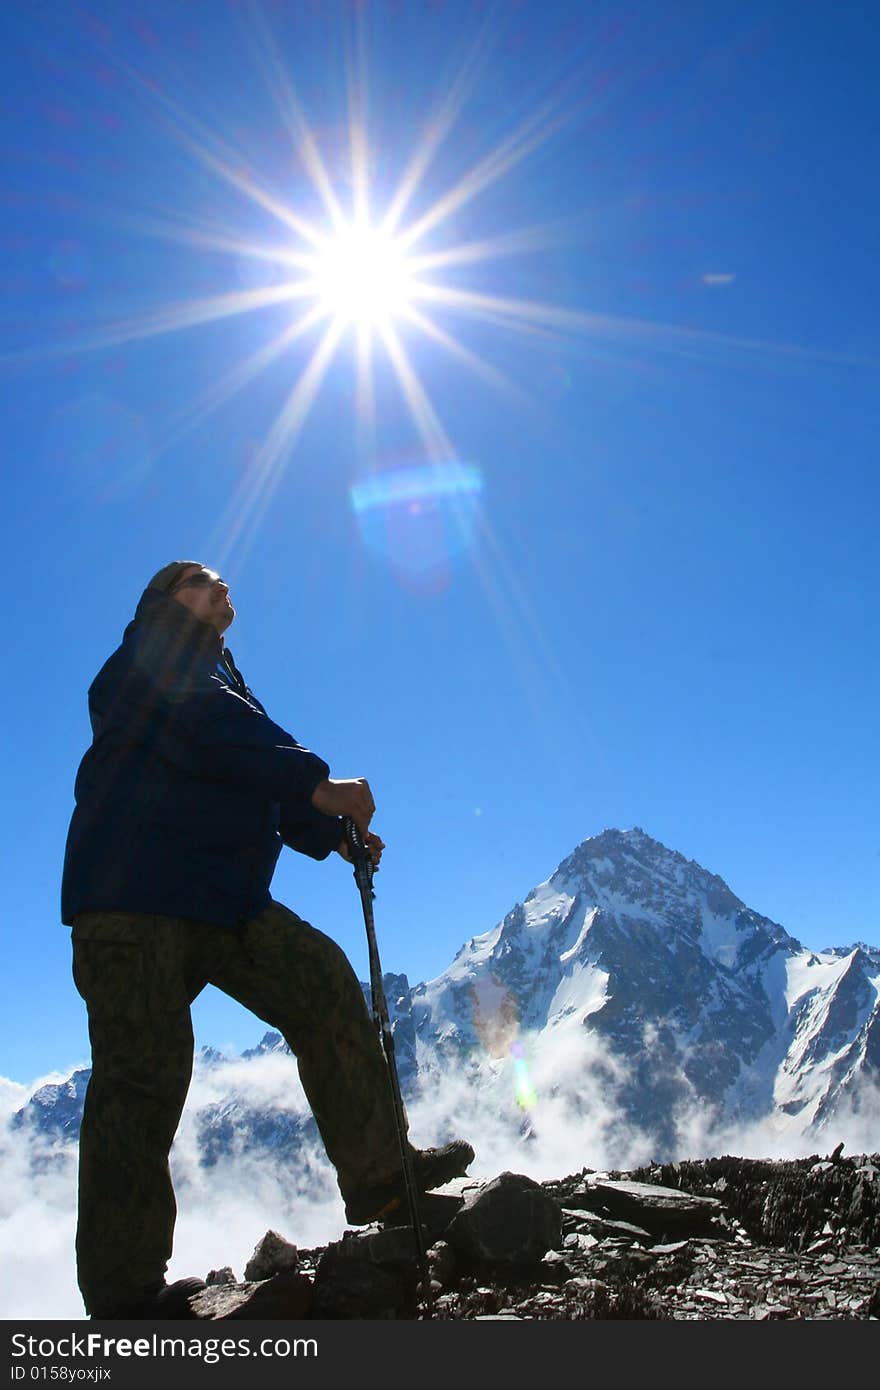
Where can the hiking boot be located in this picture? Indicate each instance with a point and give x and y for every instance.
(161, 1302)
(431, 1168)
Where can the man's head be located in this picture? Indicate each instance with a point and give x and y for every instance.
(197, 588)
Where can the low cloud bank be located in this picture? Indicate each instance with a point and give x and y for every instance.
(570, 1122)
(37, 1216)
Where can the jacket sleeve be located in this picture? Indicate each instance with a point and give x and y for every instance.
(309, 831)
(233, 742)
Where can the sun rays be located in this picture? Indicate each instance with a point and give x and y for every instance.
(347, 266)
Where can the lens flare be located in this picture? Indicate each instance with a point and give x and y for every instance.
(496, 1022)
(419, 517)
(526, 1095)
(419, 483)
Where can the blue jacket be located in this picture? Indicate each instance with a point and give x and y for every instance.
(189, 790)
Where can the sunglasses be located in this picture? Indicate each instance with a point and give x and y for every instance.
(198, 581)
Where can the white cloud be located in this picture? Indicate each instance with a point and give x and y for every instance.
(37, 1227)
(12, 1097)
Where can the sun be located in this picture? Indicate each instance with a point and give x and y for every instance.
(362, 276)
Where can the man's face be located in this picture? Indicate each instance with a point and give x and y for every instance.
(206, 596)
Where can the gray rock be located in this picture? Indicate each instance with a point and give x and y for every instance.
(662, 1211)
(350, 1287)
(387, 1246)
(273, 1255)
(287, 1295)
(221, 1276)
(511, 1221)
(436, 1210)
(441, 1262)
(587, 1223)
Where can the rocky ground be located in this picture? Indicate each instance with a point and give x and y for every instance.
(722, 1238)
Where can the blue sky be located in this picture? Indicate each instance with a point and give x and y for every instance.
(644, 592)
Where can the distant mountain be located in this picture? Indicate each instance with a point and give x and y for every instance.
(55, 1109)
(629, 959)
(700, 999)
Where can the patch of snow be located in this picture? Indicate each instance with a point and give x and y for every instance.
(719, 938)
(589, 918)
(580, 992)
(547, 905)
(809, 972)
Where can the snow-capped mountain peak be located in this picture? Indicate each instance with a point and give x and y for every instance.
(701, 998)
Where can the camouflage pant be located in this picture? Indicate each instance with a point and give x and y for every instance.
(138, 976)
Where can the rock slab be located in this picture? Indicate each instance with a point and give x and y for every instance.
(510, 1221)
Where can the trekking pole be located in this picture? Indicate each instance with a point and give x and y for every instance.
(363, 876)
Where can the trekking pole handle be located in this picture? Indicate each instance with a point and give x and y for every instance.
(360, 855)
(354, 837)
